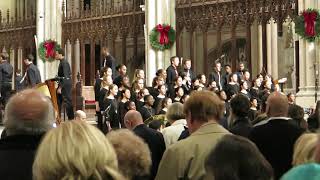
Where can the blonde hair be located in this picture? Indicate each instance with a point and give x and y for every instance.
(75, 150)
(133, 154)
(304, 149)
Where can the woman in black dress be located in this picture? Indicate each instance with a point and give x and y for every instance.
(179, 93)
(165, 103)
(162, 90)
(147, 111)
(111, 104)
(125, 97)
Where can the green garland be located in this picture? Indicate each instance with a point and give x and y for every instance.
(300, 26)
(154, 39)
(43, 51)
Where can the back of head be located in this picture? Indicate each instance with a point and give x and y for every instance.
(30, 58)
(60, 156)
(203, 106)
(4, 56)
(133, 154)
(28, 112)
(81, 115)
(240, 105)
(133, 118)
(304, 149)
(175, 112)
(306, 172)
(235, 157)
(277, 105)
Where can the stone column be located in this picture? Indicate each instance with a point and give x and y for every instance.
(12, 56)
(260, 51)
(68, 54)
(49, 17)
(158, 12)
(77, 56)
(274, 40)
(269, 49)
(308, 57)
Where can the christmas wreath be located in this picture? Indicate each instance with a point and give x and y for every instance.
(308, 24)
(162, 37)
(47, 50)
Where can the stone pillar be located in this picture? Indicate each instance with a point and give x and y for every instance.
(274, 40)
(269, 49)
(77, 56)
(260, 51)
(158, 12)
(308, 57)
(49, 17)
(68, 54)
(12, 56)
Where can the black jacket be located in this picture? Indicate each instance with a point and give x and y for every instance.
(214, 76)
(275, 139)
(64, 72)
(33, 75)
(17, 155)
(110, 62)
(241, 127)
(171, 75)
(6, 71)
(156, 144)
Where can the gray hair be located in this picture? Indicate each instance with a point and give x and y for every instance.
(175, 112)
(16, 124)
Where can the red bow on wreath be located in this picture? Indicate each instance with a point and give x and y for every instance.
(309, 23)
(50, 52)
(164, 31)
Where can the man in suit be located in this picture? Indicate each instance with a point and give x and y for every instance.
(276, 136)
(6, 72)
(185, 159)
(108, 61)
(65, 83)
(188, 71)
(172, 74)
(217, 76)
(26, 121)
(32, 76)
(133, 121)
(122, 71)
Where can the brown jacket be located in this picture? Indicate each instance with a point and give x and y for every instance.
(186, 158)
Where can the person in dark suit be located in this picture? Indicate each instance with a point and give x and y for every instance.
(240, 124)
(133, 120)
(32, 76)
(19, 85)
(187, 71)
(6, 72)
(122, 71)
(108, 61)
(65, 83)
(217, 76)
(27, 120)
(172, 74)
(276, 136)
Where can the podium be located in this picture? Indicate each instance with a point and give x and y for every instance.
(48, 89)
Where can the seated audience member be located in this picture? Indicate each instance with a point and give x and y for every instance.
(235, 157)
(177, 120)
(314, 119)
(304, 149)
(80, 115)
(240, 124)
(156, 125)
(133, 121)
(133, 154)
(28, 116)
(296, 113)
(75, 150)
(275, 137)
(303, 172)
(185, 159)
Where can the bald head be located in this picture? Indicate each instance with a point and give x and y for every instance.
(28, 111)
(132, 119)
(277, 105)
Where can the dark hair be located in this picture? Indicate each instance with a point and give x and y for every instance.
(5, 56)
(30, 58)
(159, 72)
(155, 124)
(186, 60)
(227, 65)
(119, 67)
(297, 114)
(237, 158)
(240, 105)
(252, 99)
(289, 94)
(60, 51)
(145, 98)
(18, 71)
(172, 58)
(123, 92)
(127, 104)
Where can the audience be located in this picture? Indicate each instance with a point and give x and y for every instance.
(235, 157)
(80, 115)
(185, 159)
(275, 137)
(177, 120)
(303, 172)
(304, 149)
(60, 157)
(28, 116)
(240, 123)
(133, 121)
(296, 113)
(314, 119)
(133, 154)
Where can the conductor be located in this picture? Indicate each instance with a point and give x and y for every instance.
(32, 76)
(65, 83)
